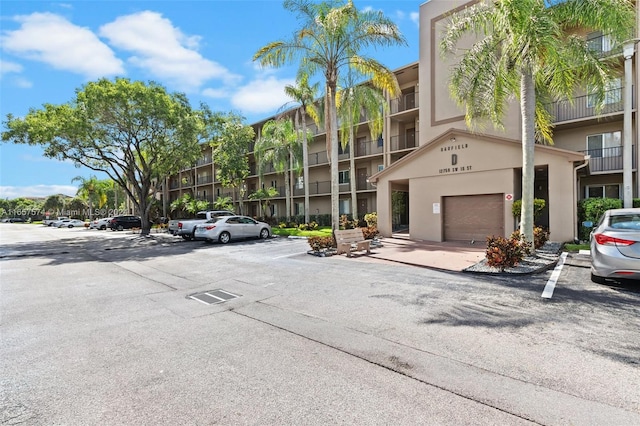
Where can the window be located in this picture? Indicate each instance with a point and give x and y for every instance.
(298, 209)
(380, 167)
(300, 182)
(604, 145)
(599, 43)
(344, 207)
(612, 95)
(343, 176)
(380, 141)
(342, 150)
(603, 191)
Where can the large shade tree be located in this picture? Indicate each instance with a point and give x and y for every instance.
(528, 50)
(134, 132)
(334, 37)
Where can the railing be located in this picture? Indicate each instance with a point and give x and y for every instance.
(203, 161)
(174, 185)
(187, 184)
(602, 45)
(363, 185)
(368, 148)
(406, 141)
(204, 180)
(584, 106)
(404, 103)
(315, 188)
(608, 159)
(318, 158)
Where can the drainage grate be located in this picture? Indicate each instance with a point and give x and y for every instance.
(211, 297)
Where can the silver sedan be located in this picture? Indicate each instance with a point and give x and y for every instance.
(615, 246)
(227, 228)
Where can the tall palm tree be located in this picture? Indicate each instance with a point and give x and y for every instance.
(334, 36)
(305, 96)
(526, 49)
(278, 146)
(352, 102)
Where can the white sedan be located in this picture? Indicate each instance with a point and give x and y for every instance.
(70, 223)
(227, 228)
(100, 224)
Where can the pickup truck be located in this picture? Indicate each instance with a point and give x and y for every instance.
(48, 222)
(186, 227)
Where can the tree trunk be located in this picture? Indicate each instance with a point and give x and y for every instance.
(305, 166)
(287, 188)
(352, 175)
(331, 120)
(527, 109)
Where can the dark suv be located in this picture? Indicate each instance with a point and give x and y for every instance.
(119, 223)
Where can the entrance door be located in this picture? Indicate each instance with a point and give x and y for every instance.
(473, 217)
(362, 179)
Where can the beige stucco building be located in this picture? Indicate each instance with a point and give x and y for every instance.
(429, 174)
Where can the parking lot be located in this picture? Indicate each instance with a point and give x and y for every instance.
(100, 327)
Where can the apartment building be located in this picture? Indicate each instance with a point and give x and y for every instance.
(428, 173)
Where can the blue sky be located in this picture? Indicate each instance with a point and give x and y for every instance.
(201, 48)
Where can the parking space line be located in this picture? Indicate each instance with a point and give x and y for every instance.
(551, 284)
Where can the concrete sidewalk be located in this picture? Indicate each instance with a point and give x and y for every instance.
(449, 256)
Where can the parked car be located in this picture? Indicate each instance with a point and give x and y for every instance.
(71, 223)
(227, 228)
(186, 227)
(615, 246)
(16, 220)
(100, 224)
(50, 222)
(118, 223)
(59, 223)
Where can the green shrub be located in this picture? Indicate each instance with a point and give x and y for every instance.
(320, 243)
(504, 253)
(590, 209)
(371, 219)
(538, 206)
(308, 226)
(347, 223)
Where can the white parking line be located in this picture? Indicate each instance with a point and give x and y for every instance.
(551, 284)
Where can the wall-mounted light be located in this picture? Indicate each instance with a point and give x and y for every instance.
(452, 140)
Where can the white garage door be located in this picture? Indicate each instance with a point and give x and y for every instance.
(473, 217)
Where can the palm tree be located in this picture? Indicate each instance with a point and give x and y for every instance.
(352, 102)
(305, 95)
(333, 37)
(524, 49)
(90, 189)
(278, 146)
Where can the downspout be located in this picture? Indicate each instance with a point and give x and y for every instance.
(575, 197)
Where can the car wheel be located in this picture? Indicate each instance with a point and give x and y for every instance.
(120, 228)
(103, 227)
(186, 237)
(224, 238)
(264, 233)
(597, 279)
(70, 226)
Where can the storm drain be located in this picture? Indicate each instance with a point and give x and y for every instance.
(212, 297)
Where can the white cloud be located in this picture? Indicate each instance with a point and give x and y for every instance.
(263, 95)
(163, 50)
(52, 39)
(415, 17)
(216, 93)
(22, 83)
(11, 192)
(7, 67)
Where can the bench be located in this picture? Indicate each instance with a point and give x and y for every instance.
(349, 240)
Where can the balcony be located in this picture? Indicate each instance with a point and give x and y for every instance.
(174, 185)
(404, 103)
(402, 142)
(202, 180)
(583, 107)
(608, 159)
(318, 158)
(203, 161)
(368, 148)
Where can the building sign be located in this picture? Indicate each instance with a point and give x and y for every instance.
(455, 166)
(436, 208)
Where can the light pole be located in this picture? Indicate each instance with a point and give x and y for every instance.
(627, 138)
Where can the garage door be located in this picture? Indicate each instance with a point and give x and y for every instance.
(473, 217)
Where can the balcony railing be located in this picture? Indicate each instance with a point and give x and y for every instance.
(204, 180)
(318, 158)
(406, 141)
(584, 106)
(608, 159)
(363, 185)
(404, 103)
(368, 148)
(603, 46)
(174, 185)
(203, 161)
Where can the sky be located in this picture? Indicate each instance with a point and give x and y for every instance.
(203, 49)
